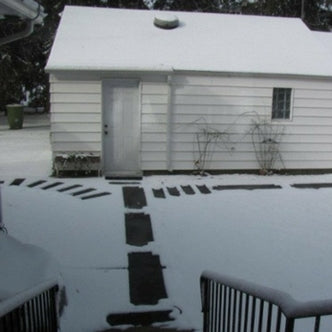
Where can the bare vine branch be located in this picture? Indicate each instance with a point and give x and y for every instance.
(266, 138)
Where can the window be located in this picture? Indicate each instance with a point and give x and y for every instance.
(281, 105)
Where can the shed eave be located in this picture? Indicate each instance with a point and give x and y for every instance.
(171, 70)
(253, 74)
(56, 68)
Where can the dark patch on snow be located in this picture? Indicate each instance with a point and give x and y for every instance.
(36, 183)
(311, 185)
(84, 191)
(52, 185)
(96, 195)
(17, 182)
(146, 280)
(188, 190)
(144, 318)
(74, 186)
(134, 197)
(138, 229)
(203, 189)
(173, 191)
(247, 187)
(159, 193)
(123, 182)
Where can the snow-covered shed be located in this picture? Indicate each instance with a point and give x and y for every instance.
(212, 91)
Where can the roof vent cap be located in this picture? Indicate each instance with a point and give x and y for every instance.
(166, 21)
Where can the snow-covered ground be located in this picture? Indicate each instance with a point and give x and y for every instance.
(280, 238)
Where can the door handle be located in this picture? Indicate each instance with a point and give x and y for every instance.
(105, 132)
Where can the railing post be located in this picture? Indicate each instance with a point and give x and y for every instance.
(1, 224)
(289, 325)
(317, 323)
(204, 294)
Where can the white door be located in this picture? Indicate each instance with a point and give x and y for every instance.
(121, 128)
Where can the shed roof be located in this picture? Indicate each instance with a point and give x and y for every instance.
(127, 40)
(326, 39)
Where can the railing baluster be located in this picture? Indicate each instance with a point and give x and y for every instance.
(278, 320)
(43, 312)
(212, 308)
(29, 316)
(260, 319)
(239, 322)
(205, 287)
(36, 314)
(224, 308)
(234, 310)
(230, 305)
(269, 319)
(317, 324)
(40, 323)
(5, 323)
(253, 314)
(229, 309)
(220, 307)
(12, 320)
(23, 313)
(246, 315)
(216, 309)
(289, 325)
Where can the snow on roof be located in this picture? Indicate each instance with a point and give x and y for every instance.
(121, 39)
(325, 38)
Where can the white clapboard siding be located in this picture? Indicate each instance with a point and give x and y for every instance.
(153, 165)
(154, 88)
(172, 115)
(155, 147)
(221, 91)
(76, 87)
(76, 146)
(222, 100)
(76, 127)
(202, 110)
(153, 137)
(73, 108)
(312, 103)
(92, 98)
(245, 147)
(246, 138)
(214, 119)
(154, 99)
(75, 115)
(312, 112)
(154, 117)
(154, 109)
(63, 137)
(313, 94)
(224, 155)
(230, 105)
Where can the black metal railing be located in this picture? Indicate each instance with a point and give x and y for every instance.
(32, 311)
(235, 305)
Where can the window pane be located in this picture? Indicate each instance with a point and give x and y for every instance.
(281, 103)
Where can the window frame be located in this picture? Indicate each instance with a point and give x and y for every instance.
(274, 119)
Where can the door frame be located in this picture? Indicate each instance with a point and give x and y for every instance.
(118, 82)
